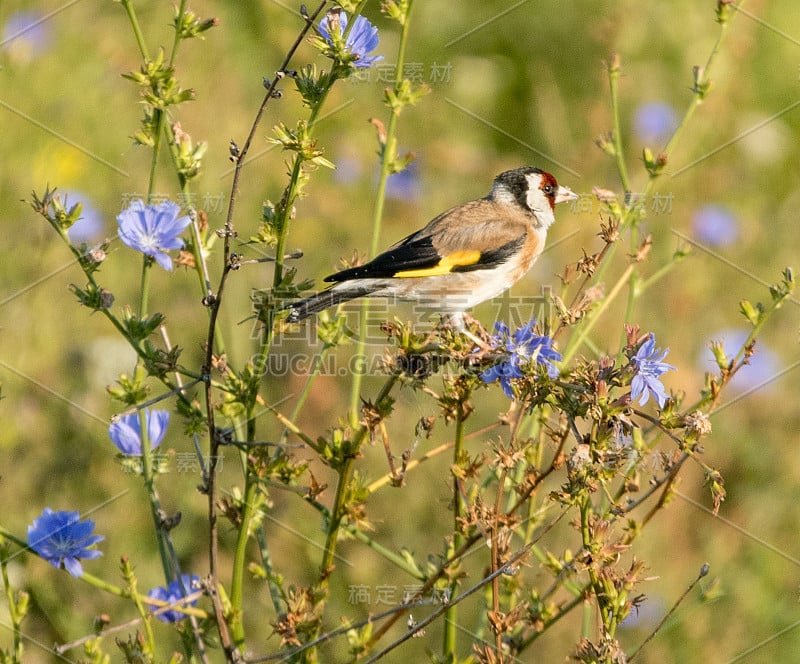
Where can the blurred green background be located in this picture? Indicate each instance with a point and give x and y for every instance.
(512, 83)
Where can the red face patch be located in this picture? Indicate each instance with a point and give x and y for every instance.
(549, 187)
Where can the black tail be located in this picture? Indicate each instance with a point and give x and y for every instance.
(329, 298)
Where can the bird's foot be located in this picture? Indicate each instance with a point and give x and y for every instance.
(470, 327)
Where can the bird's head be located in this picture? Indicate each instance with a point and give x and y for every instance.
(533, 190)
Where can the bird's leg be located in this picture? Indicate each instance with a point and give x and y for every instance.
(458, 323)
(480, 343)
(484, 337)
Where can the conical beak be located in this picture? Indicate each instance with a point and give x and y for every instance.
(565, 194)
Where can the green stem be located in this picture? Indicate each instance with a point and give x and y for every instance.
(201, 268)
(259, 364)
(613, 80)
(587, 620)
(199, 259)
(345, 475)
(177, 39)
(605, 604)
(659, 274)
(103, 585)
(137, 31)
(702, 83)
(291, 193)
(776, 304)
(259, 367)
(389, 152)
(151, 182)
(239, 558)
(495, 593)
(275, 590)
(632, 280)
(120, 327)
(152, 495)
(700, 89)
(388, 156)
(335, 521)
(575, 342)
(301, 400)
(282, 223)
(145, 286)
(140, 607)
(451, 615)
(14, 613)
(586, 540)
(393, 557)
(147, 453)
(357, 376)
(160, 113)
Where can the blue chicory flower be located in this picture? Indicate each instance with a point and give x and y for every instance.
(715, 225)
(89, 227)
(759, 372)
(523, 346)
(648, 365)
(126, 433)
(655, 122)
(61, 538)
(153, 229)
(361, 40)
(404, 185)
(26, 35)
(174, 592)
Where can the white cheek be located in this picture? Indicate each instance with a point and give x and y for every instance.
(538, 202)
(534, 200)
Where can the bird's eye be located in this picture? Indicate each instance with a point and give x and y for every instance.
(548, 189)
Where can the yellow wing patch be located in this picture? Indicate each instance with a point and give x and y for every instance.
(445, 265)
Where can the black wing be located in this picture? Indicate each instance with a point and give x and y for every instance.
(412, 253)
(419, 258)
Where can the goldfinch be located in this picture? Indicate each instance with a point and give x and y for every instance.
(471, 253)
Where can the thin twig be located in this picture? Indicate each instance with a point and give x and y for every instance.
(431, 582)
(181, 605)
(298, 253)
(703, 572)
(215, 302)
(498, 635)
(161, 397)
(282, 657)
(429, 619)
